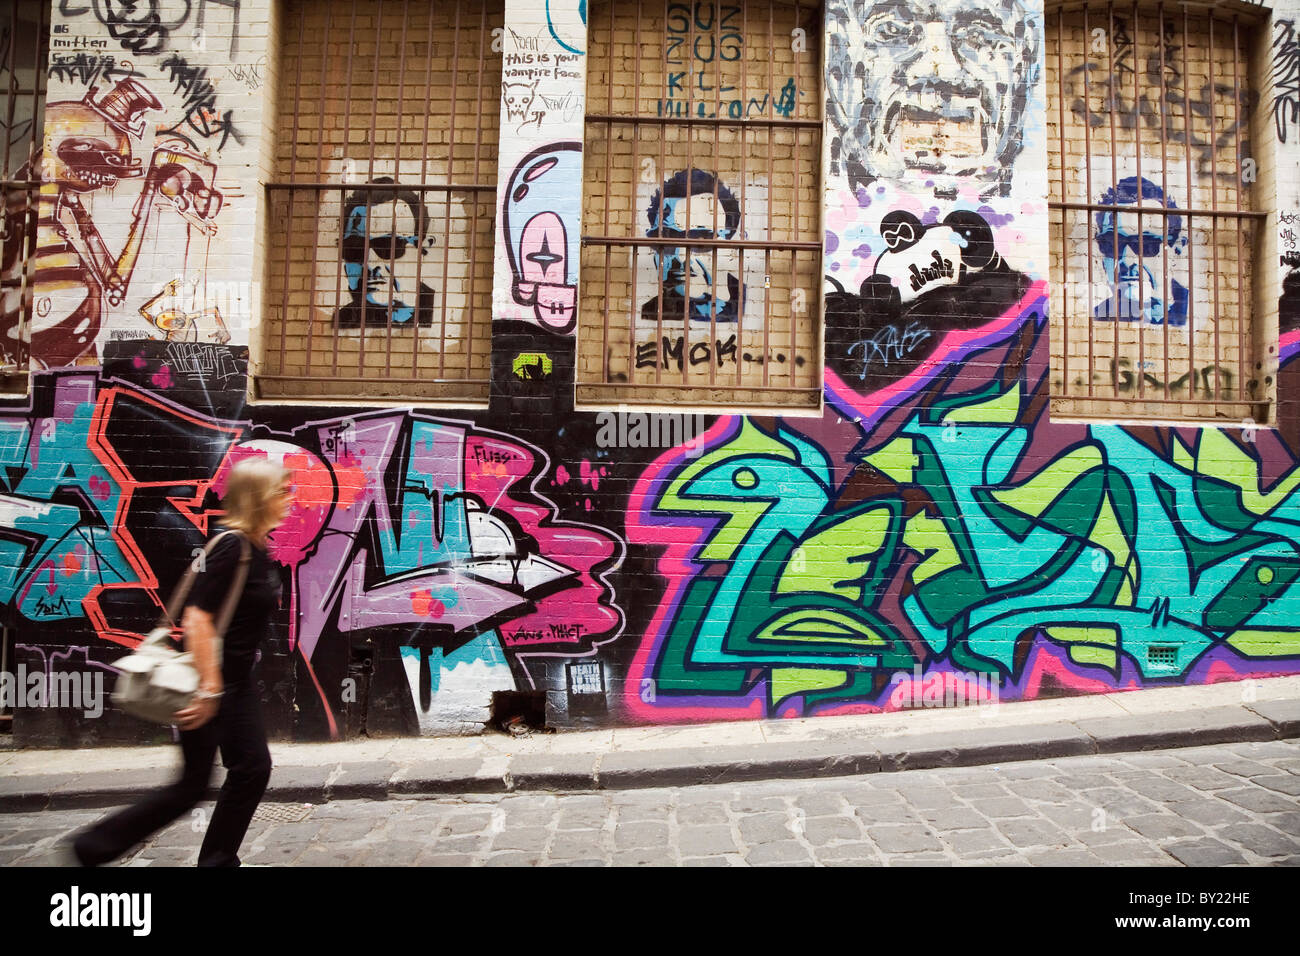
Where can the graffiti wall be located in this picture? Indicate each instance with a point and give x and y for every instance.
(935, 529)
(963, 535)
(936, 524)
(419, 551)
(148, 118)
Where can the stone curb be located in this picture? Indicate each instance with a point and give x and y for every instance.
(1212, 725)
(640, 769)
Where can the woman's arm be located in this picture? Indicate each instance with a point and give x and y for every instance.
(201, 642)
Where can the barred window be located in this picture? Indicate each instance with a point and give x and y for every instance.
(701, 253)
(1154, 233)
(380, 252)
(24, 46)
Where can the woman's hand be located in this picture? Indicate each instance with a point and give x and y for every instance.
(198, 713)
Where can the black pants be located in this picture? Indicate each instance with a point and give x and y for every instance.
(237, 730)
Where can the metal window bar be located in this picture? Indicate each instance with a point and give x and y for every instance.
(703, 132)
(389, 152)
(24, 51)
(1151, 44)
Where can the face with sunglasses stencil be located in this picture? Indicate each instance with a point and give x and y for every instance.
(1134, 257)
(384, 259)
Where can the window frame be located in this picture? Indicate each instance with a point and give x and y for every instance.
(1256, 313)
(351, 378)
(24, 183)
(597, 392)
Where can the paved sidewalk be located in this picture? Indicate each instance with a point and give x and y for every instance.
(641, 757)
(1223, 804)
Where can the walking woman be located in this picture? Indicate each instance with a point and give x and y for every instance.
(225, 713)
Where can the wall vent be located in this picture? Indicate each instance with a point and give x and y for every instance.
(1162, 655)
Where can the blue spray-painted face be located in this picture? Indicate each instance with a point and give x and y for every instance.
(1138, 258)
(702, 218)
(381, 263)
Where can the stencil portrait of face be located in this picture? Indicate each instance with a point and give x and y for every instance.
(384, 241)
(695, 206)
(1134, 256)
(378, 267)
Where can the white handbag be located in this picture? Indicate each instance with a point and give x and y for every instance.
(156, 680)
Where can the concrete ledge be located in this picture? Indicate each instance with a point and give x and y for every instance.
(553, 772)
(361, 780)
(427, 777)
(24, 801)
(706, 756)
(797, 759)
(986, 744)
(109, 788)
(1212, 725)
(1284, 715)
(641, 769)
(299, 784)
(22, 794)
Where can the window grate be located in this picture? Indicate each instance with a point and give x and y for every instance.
(701, 252)
(1153, 227)
(383, 206)
(23, 79)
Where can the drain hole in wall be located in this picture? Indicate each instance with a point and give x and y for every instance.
(1162, 655)
(519, 712)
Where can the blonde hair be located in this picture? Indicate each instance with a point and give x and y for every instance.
(251, 491)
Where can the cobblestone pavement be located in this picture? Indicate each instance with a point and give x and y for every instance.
(1204, 806)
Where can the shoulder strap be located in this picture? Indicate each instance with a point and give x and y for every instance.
(174, 606)
(236, 587)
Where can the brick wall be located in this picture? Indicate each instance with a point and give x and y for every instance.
(373, 93)
(931, 521)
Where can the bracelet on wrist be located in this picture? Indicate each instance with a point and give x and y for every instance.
(208, 694)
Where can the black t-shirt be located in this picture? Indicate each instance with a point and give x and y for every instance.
(252, 615)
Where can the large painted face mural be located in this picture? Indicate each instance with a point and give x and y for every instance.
(941, 92)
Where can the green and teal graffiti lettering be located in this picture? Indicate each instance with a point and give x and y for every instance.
(793, 585)
(57, 508)
(1111, 550)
